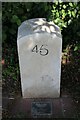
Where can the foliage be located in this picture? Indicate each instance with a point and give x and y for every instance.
(64, 14)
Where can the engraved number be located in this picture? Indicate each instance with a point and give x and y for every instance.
(42, 50)
(35, 49)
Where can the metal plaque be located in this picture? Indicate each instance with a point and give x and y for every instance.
(41, 109)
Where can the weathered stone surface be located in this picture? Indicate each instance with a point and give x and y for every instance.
(39, 48)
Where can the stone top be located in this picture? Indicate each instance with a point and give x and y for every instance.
(37, 25)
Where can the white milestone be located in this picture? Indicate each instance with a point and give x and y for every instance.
(39, 49)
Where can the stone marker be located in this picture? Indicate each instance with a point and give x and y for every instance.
(39, 49)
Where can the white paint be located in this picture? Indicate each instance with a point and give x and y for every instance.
(40, 75)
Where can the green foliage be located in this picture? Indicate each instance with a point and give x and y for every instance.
(15, 13)
(61, 13)
(64, 13)
(15, 19)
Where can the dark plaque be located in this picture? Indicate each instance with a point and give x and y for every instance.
(41, 109)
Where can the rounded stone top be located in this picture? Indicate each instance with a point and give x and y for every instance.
(37, 25)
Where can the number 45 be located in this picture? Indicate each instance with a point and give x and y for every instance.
(42, 50)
